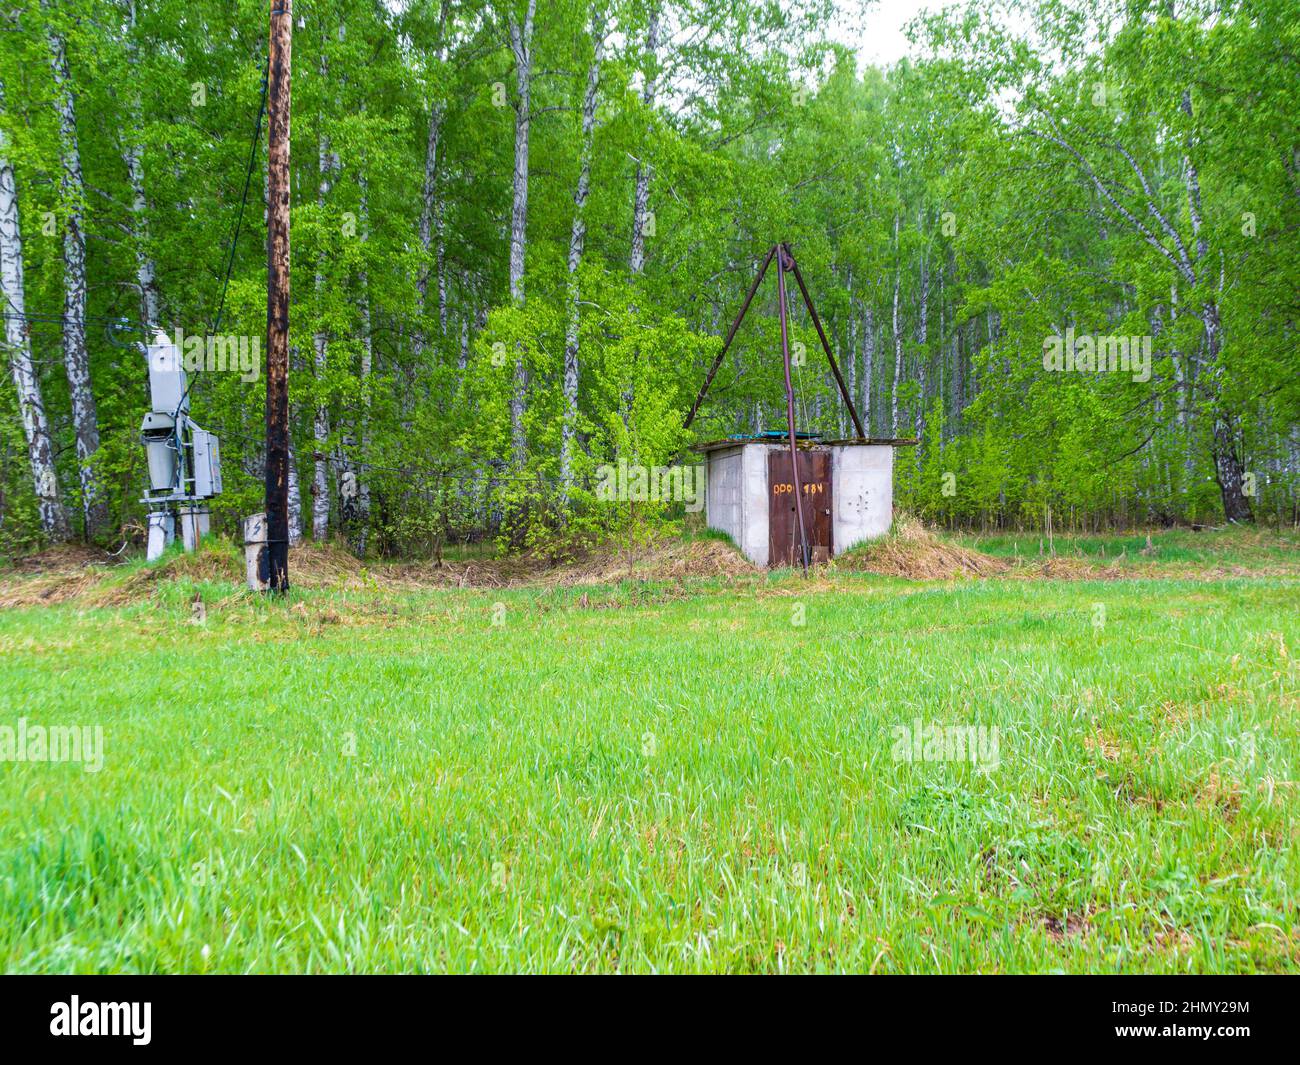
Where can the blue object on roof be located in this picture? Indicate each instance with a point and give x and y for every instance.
(772, 434)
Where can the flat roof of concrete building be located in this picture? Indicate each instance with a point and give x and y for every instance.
(803, 440)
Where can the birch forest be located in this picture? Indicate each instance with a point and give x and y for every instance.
(521, 229)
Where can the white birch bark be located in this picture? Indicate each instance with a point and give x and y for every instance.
(868, 364)
(353, 486)
(76, 360)
(521, 46)
(320, 490)
(146, 275)
(641, 197)
(294, 484)
(850, 356)
(31, 404)
(431, 220)
(295, 501)
(922, 336)
(462, 360)
(577, 237)
(898, 338)
(941, 388)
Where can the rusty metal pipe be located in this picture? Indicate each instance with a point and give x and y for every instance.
(789, 406)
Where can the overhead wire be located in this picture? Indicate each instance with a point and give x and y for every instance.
(239, 223)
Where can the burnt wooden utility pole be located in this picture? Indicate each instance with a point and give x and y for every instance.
(277, 297)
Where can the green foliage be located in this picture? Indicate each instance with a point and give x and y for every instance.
(944, 213)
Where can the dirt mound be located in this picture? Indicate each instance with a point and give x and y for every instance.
(662, 560)
(78, 576)
(1069, 569)
(92, 578)
(326, 566)
(62, 558)
(334, 566)
(913, 551)
(50, 587)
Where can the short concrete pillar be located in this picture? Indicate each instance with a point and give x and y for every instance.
(162, 530)
(194, 525)
(255, 564)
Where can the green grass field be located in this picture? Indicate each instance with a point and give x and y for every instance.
(660, 777)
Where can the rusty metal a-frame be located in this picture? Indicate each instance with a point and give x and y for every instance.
(784, 262)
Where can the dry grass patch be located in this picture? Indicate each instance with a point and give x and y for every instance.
(913, 551)
(87, 577)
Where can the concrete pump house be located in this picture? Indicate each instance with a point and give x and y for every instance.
(788, 497)
(848, 489)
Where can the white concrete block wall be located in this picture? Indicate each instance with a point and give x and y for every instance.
(753, 541)
(724, 497)
(862, 480)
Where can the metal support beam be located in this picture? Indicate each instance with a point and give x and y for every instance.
(731, 335)
(821, 333)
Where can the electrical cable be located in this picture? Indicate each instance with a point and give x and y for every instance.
(407, 471)
(239, 222)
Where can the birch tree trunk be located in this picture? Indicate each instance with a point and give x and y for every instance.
(31, 404)
(521, 45)
(354, 492)
(898, 338)
(295, 501)
(577, 237)
(146, 276)
(850, 353)
(1229, 469)
(132, 155)
(958, 379)
(868, 364)
(941, 385)
(76, 360)
(922, 337)
(641, 214)
(320, 490)
(431, 208)
(641, 197)
(294, 484)
(462, 360)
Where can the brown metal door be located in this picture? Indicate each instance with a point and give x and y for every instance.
(783, 521)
